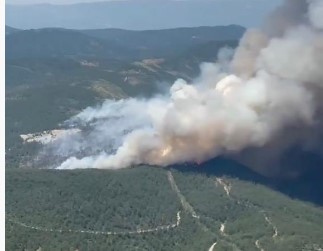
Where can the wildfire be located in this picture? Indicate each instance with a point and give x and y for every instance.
(166, 151)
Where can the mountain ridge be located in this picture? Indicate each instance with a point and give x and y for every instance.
(113, 43)
(141, 15)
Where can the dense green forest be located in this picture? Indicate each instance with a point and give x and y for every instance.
(232, 212)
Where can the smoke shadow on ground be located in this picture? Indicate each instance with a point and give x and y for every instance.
(307, 187)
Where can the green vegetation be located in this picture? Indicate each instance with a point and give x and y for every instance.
(244, 211)
(101, 200)
(55, 42)
(10, 30)
(142, 198)
(123, 200)
(167, 42)
(112, 43)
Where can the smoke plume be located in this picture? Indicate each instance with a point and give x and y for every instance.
(267, 97)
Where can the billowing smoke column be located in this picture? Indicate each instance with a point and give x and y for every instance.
(271, 88)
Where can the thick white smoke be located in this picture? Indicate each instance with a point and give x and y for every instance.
(315, 13)
(273, 83)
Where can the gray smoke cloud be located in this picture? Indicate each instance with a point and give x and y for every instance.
(267, 97)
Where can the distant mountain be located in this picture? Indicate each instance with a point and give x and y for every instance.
(113, 43)
(168, 41)
(188, 61)
(177, 35)
(139, 14)
(10, 30)
(54, 42)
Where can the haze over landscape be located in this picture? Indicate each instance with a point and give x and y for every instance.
(136, 14)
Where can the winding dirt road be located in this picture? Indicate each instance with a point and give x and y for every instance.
(83, 231)
(212, 247)
(275, 230)
(257, 244)
(183, 201)
(186, 205)
(227, 188)
(222, 228)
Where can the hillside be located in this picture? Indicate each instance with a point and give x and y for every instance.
(189, 61)
(149, 208)
(43, 92)
(52, 74)
(52, 42)
(60, 56)
(163, 43)
(10, 30)
(112, 43)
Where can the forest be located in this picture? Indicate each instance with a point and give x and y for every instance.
(234, 213)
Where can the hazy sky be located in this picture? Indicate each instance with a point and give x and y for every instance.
(137, 14)
(49, 1)
(87, 1)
